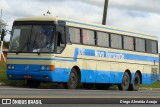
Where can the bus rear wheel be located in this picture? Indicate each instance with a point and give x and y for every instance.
(125, 82)
(136, 83)
(73, 80)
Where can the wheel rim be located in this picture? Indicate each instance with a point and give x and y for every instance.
(73, 79)
(136, 82)
(126, 81)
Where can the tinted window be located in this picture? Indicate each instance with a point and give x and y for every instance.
(116, 41)
(154, 47)
(102, 39)
(88, 37)
(151, 46)
(128, 43)
(140, 45)
(74, 35)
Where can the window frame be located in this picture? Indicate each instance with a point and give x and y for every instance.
(79, 35)
(108, 39)
(121, 41)
(133, 43)
(94, 37)
(35, 23)
(151, 48)
(109, 33)
(144, 44)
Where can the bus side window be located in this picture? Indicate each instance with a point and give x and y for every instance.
(60, 41)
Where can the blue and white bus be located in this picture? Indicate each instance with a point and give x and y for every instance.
(45, 49)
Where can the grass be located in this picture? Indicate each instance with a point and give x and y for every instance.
(155, 85)
(3, 76)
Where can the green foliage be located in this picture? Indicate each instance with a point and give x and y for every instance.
(3, 24)
(154, 85)
(6, 44)
(3, 76)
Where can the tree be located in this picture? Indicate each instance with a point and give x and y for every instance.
(6, 44)
(3, 24)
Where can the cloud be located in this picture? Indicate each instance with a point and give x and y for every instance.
(139, 15)
(136, 5)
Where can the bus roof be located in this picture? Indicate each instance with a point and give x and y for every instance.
(87, 25)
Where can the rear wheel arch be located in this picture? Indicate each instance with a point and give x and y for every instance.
(74, 78)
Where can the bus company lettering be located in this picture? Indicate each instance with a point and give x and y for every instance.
(81, 51)
(99, 54)
(115, 55)
(109, 55)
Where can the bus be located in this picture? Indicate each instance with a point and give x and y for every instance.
(60, 50)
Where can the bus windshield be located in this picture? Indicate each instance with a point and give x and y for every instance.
(32, 39)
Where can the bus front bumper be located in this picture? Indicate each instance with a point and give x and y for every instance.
(34, 72)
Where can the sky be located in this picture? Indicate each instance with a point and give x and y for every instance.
(136, 15)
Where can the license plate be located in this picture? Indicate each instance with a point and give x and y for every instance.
(27, 77)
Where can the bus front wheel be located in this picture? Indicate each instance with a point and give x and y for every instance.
(73, 80)
(125, 82)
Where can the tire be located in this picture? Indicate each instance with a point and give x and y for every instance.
(88, 85)
(102, 86)
(33, 83)
(136, 83)
(125, 82)
(73, 80)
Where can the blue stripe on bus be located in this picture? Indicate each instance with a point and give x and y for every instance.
(107, 28)
(90, 52)
(87, 76)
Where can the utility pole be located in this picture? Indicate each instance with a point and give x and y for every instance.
(105, 12)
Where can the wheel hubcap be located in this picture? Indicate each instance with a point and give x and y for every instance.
(126, 81)
(72, 79)
(136, 81)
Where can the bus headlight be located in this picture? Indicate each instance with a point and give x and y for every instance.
(12, 67)
(9, 66)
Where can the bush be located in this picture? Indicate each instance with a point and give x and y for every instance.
(3, 76)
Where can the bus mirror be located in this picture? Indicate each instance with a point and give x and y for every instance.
(2, 34)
